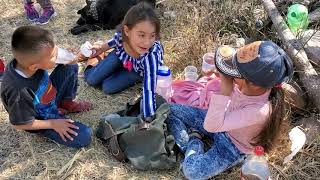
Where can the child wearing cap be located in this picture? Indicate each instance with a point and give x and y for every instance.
(247, 111)
(34, 99)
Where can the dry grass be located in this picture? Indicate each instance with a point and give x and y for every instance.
(199, 27)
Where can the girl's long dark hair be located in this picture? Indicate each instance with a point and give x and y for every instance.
(270, 132)
(142, 11)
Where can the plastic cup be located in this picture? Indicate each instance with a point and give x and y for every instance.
(191, 76)
(86, 49)
(190, 69)
(208, 63)
(64, 56)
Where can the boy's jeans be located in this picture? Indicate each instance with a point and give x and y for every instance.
(199, 164)
(65, 79)
(111, 74)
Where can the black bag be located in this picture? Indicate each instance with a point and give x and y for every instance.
(103, 14)
(146, 145)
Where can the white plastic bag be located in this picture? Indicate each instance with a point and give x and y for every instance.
(298, 139)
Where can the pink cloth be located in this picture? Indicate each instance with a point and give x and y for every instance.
(241, 116)
(196, 94)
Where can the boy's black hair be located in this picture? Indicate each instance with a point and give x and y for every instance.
(31, 39)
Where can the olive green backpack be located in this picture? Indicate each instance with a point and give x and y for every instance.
(146, 145)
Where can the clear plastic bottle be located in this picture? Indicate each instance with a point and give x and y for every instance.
(297, 18)
(164, 82)
(255, 166)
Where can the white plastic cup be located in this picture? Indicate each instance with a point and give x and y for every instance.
(85, 49)
(191, 73)
(191, 76)
(208, 63)
(64, 56)
(190, 69)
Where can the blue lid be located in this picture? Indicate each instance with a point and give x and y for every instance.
(164, 71)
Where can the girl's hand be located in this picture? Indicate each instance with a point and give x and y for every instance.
(226, 85)
(98, 48)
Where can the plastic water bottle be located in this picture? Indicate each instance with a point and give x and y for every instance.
(164, 82)
(297, 18)
(255, 166)
(64, 56)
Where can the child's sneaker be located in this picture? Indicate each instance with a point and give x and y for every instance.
(47, 14)
(71, 106)
(31, 13)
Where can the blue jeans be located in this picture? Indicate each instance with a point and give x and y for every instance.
(199, 164)
(65, 79)
(111, 74)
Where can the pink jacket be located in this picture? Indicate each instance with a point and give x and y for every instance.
(196, 94)
(241, 117)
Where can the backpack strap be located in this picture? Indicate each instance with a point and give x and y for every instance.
(109, 136)
(115, 150)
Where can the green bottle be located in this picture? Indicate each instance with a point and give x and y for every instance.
(297, 18)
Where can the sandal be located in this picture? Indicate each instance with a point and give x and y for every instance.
(71, 106)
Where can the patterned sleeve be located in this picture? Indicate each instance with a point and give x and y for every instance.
(150, 79)
(115, 40)
(159, 51)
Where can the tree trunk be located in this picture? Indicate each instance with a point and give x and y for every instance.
(314, 16)
(294, 48)
(311, 39)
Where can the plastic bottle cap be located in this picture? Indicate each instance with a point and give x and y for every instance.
(164, 71)
(259, 151)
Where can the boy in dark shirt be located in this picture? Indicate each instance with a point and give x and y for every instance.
(33, 98)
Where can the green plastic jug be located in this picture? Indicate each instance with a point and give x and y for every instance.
(297, 18)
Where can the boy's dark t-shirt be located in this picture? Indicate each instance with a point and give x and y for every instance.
(26, 99)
